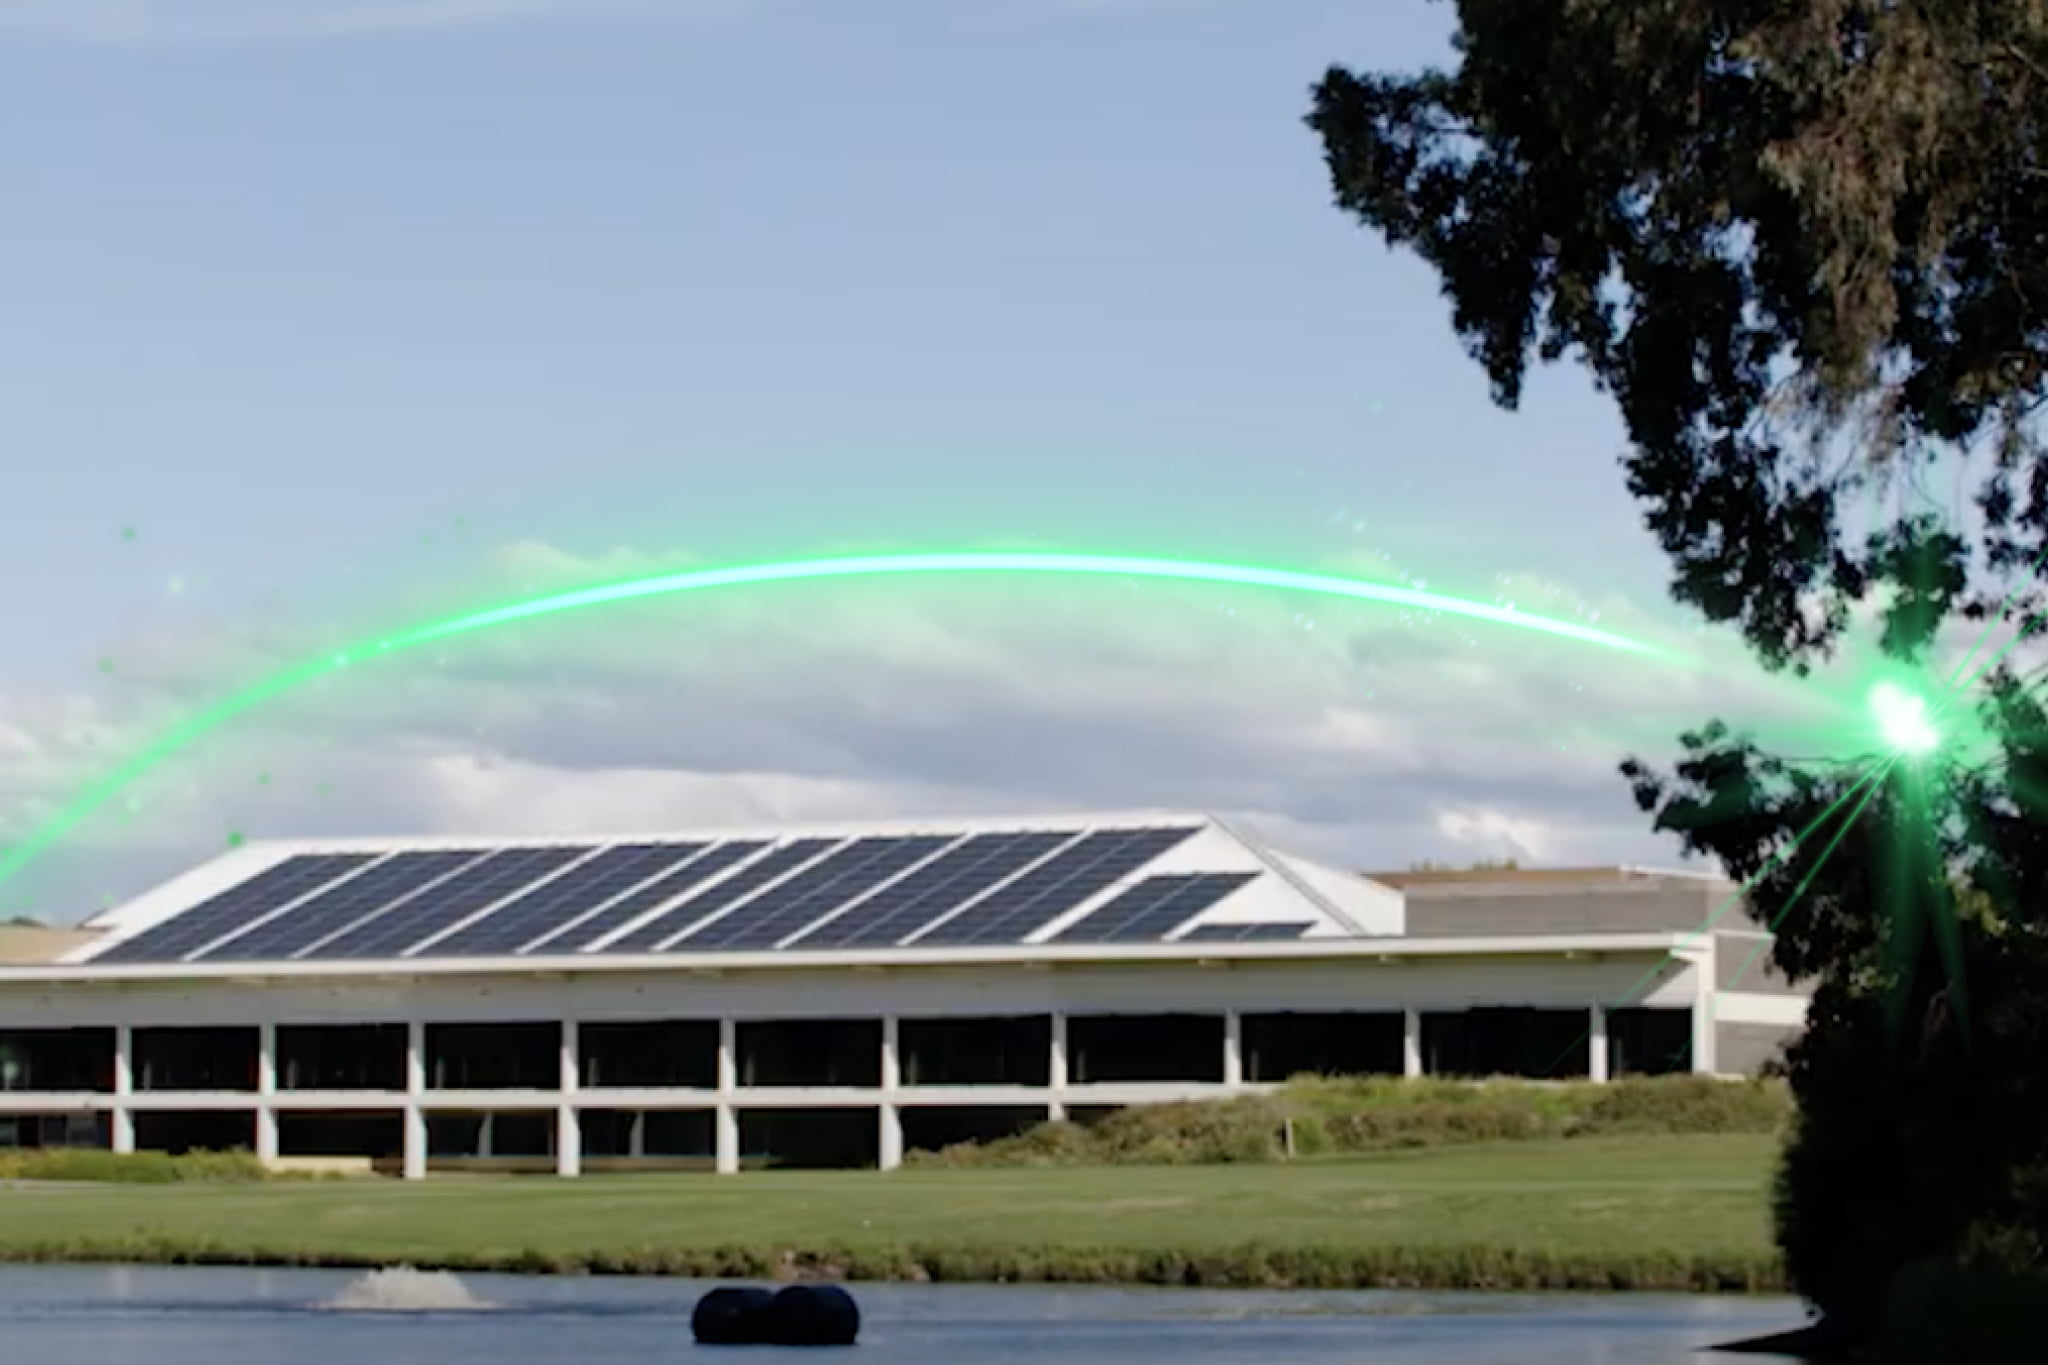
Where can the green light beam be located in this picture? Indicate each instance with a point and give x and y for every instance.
(1872, 783)
(1649, 978)
(788, 571)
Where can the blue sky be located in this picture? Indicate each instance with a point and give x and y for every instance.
(721, 281)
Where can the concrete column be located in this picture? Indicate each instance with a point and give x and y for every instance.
(568, 1123)
(1411, 1043)
(568, 1141)
(415, 1087)
(636, 1134)
(892, 1066)
(1702, 1036)
(1056, 1073)
(266, 1059)
(570, 1069)
(484, 1135)
(415, 1057)
(726, 1120)
(1596, 1046)
(892, 1138)
(1233, 1048)
(123, 1117)
(415, 1142)
(266, 1088)
(728, 1056)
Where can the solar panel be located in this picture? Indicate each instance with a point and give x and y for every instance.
(790, 856)
(958, 875)
(241, 903)
(1244, 933)
(714, 860)
(1153, 908)
(557, 904)
(468, 891)
(1013, 910)
(822, 887)
(398, 876)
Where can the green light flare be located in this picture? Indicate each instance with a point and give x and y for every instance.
(1734, 898)
(1902, 721)
(787, 571)
(1869, 785)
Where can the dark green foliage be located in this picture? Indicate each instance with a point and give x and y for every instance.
(133, 1168)
(1804, 247)
(1767, 230)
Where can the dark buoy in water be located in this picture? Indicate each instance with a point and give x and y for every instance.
(730, 1316)
(813, 1315)
(801, 1315)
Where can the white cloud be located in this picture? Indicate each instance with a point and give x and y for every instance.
(174, 21)
(1343, 732)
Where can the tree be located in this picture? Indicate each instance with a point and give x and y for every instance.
(1804, 248)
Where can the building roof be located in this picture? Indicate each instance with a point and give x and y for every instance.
(1070, 882)
(27, 943)
(1427, 879)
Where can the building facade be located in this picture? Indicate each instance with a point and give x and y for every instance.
(832, 995)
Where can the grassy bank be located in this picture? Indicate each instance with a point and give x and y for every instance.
(1310, 1118)
(1647, 1212)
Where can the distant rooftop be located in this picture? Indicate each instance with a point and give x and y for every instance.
(1424, 878)
(29, 945)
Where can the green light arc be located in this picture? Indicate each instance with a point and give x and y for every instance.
(862, 566)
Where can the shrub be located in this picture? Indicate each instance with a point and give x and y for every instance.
(134, 1168)
(1379, 1113)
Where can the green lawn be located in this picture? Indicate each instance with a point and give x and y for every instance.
(1590, 1202)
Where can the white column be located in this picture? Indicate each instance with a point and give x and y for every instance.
(1056, 1071)
(1233, 1048)
(892, 1064)
(266, 1090)
(892, 1137)
(568, 1123)
(484, 1135)
(123, 1118)
(415, 1088)
(1411, 1043)
(726, 1125)
(636, 1134)
(726, 1119)
(568, 1141)
(266, 1059)
(1596, 1046)
(1704, 1061)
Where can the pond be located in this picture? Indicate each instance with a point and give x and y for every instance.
(154, 1316)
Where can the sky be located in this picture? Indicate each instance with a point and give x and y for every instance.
(325, 317)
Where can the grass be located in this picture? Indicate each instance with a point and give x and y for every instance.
(1632, 1212)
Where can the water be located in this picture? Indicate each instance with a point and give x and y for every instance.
(125, 1316)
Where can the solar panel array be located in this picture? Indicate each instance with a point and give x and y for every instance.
(1153, 908)
(679, 918)
(240, 904)
(1026, 903)
(804, 893)
(1245, 933)
(794, 904)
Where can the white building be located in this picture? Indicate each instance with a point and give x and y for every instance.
(831, 994)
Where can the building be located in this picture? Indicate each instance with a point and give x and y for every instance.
(831, 995)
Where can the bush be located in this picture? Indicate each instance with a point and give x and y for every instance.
(1936, 1313)
(133, 1168)
(1378, 1113)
